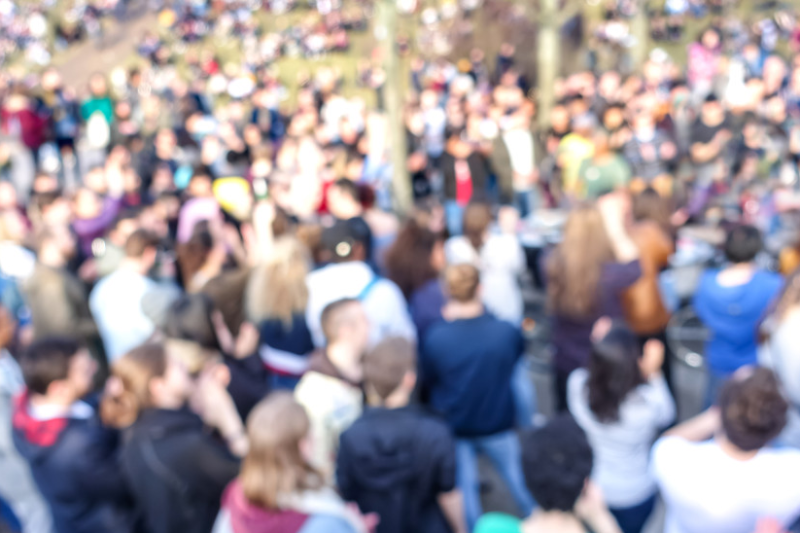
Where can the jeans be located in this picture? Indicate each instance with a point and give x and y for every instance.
(633, 519)
(524, 394)
(454, 217)
(504, 452)
(526, 202)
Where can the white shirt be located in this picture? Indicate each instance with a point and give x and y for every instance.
(519, 143)
(622, 448)
(384, 303)
(500, 261)
(116, 305)
(707, 491)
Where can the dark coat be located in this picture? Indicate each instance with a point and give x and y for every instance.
(478, 167)
(176, 470)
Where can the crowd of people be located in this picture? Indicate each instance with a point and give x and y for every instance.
(213, 321)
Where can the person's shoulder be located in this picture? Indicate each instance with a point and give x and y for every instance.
(669, 451)
(498, 523)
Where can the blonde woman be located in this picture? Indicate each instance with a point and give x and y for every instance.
(277, 489)
(275, 300)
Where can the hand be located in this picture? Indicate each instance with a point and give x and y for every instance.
(614, 209)
(601, 328)
(591, 504)
(722, 137)
(652, 359)
(508, 220)
(668, 150)
(247, 341)
(370, 520)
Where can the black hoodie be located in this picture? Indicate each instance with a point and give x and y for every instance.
(395, 462)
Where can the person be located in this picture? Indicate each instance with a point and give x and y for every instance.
(175, 468)
(498, 256)
(573, 150)
(415, 262)
(709, 137)
(779, 352)
(466, 178)
(330, 390)
(72, 456)
(557, 460)
(513, 160)
(605, 171)
(348, 276)
(343, 200)
(467, 363)
(17, 487)
(716, 472)
(397, 461)
(731, 303)
(276, 299)
(622, 403)
(278, 490)
(116, 301)
(587, 275)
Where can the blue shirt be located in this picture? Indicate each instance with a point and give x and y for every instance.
(467, 367)
(732, 314)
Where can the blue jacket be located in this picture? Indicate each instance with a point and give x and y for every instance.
(466, 365)
(732, 314)
(75, 464)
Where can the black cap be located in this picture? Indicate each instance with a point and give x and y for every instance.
(341, 238)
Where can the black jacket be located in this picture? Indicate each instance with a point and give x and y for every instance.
(395, 462)
(478, 167)
(75, 464)
(177, 471)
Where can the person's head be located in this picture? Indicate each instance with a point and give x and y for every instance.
(98, 87)
(752, 408)
(55, 244)
(191, 318)
(742, 244)
(601, 141)
(649, 205)
(415, 258)
(144, 378)
(277, 289)
(575, 266)
(584, 125)
(123, 227)
(390, 371)
(58, 370)
(710, 38)
(346, 241)
(345, 322)
(343, 199)
(614, 371)
(276, 466)
(87, 203)
(556, 461)
(462, 283)
(712, 113)
(477, 218)
(141, 247)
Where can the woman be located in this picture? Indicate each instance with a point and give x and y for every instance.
(276, 299)
(645, 311)
(587, 275)
(277, 489)
(622, 402)
(498, 256)
(414, 263)
(781, 352)
(176, 469)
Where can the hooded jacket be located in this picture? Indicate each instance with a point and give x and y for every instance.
(74, 462)
(395, 462)
(176, 470)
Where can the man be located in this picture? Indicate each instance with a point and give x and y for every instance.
(573, 150)
(513, 161)
(709, 137)
(733, 480)
(467, 364)
(396, 460)
(73, 458)
(344, 204)
(330, 390)
(348, 276)
(605, 171)
(116, 301)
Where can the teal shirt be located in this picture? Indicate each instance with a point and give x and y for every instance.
(498, 523)
(104, 105)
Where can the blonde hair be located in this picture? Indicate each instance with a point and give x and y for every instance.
(128, 389)
(575, 267)
(277, 288)
(462, 282)
(274, 466)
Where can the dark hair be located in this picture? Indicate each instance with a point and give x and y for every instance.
(649, 205)
(189, 319)
(742, 244)
(408, 260)
(753, 409)
(387, 364)
(349, 188)
(139, 242)
(613, 372)
(46, 361)
(556, 460)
